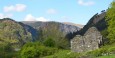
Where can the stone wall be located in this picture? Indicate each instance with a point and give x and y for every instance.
(91, 40)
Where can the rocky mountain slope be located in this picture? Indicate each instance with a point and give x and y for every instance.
(12, 32)
(18, 33)
(67, 29)
(78, 25)
(98, 21)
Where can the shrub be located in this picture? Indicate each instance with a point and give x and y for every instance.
(52, 36)
(36, 49)
(64, 54)
(111, 50)
(94, 53)
(110, 16)
(49, 42)
(6, 51)
(105, 50)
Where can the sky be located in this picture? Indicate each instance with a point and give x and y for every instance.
(75, 11)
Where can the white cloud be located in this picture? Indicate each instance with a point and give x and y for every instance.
(42, 19)
(88, 3)
(20, 7)
(1, 15)
(5, 15)
(17, 7)
(29, 17)
(51, 11)
(8, 8)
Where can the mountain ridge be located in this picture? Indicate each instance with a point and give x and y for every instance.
(64, 28)
(18, 33)
(98, 21)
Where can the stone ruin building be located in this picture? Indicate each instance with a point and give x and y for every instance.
(91, 40)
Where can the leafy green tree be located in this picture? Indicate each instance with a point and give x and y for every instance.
(49, 42)
(6, 51)
(36, 50)
(52, 36)
(111, 22)
(29, 50)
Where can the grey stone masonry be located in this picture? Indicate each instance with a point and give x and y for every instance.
(91, 40)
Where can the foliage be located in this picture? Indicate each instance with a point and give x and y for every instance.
(12, 32)
(96, 53)
(6, 47)
(36, 49)
(111, 22)
(51, 32)
(105, 50)
(108, 56)
(6, 51)
(49, 42)
(64, 54)
(104, 33)
(105, 39)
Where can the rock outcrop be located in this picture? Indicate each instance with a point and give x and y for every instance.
(91, 40)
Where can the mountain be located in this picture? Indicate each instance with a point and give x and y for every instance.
(98, 21)
(67, 29)
(18, 33)
(78, 25)
(13, 33)
(34, 32)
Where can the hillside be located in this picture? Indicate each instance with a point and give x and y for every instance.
(78, 25)
(67, 29)
(50, 39)
(98, 21)
(17, 33)
(13, 33)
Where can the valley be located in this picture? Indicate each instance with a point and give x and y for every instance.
(33, 38)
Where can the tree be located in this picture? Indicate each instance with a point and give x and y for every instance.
(49, 42)
(111, 22)
(36, 50)
(6, 51)
(52, 36)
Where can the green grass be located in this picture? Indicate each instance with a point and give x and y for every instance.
(109, 56)
(63, 54)
(108, 49)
